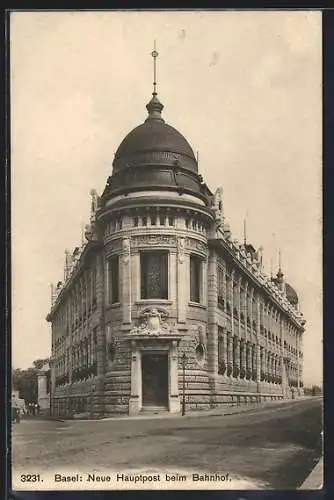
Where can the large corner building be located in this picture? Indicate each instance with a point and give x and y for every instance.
(160, 308)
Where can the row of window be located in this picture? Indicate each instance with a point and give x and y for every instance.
(79, 305)
(154, 274)
(240, 297)
(156, 219)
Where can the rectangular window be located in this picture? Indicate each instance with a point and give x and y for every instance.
(113, 280)
(154, 275)
(195, 278)
(221, 287)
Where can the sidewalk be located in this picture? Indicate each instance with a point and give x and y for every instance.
(215, 412)
(223, 410)
(315, 479)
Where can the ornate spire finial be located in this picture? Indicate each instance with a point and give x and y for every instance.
(280, 272)
(154, 54)
(154, 107)
(245, 233)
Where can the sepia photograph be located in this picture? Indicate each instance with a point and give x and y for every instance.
(166, 247)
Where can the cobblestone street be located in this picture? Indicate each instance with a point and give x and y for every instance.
(274, 447)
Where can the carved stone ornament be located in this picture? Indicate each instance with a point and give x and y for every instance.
(94, 204)
(153, 322)
(154, 240)
(126, 250)
(90, 233)
(218, 205)
(195, 244)
(202, 336)
(180, 246)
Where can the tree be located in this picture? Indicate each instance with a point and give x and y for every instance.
(39, 363)
(26, 381)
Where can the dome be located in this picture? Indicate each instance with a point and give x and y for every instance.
(155, 135)
(154, 156)
(291, 294)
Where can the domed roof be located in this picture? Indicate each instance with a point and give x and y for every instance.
(155, 135)
(154, 156)
(291, 294)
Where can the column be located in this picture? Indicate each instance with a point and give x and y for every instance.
(258, 339)
(225, 346)
(224, 285)
(260, 367)
(182, 280)
(135, 276)
(297, 361)
(228, 293)
(126, 280)
(254, 362)
(229, 354)
(249, 359)
(245, 306)
(236, 357)
(239, 305)
(264, 362)
(92, 348)
(204, 283)
(43, 400)
(232, 300)
(135, 402)
(243, 358)
(269, 365)
(172, 279)
(212, 315)
(275, 368)
(251, 294)
(220, 348)
(174, 399)
(82, 281)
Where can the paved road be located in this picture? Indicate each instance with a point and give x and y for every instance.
(274, 447)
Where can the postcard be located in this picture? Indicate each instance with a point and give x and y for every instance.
(166, 192)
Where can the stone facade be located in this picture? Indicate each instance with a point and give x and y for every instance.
(160, 308)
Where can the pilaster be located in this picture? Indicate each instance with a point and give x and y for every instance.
(126, 280)
(182, 280)
(173, 396)
(135, 396)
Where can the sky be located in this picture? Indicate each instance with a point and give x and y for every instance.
(244, 88)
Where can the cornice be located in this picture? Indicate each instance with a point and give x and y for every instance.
(259, 281)
(92, 245)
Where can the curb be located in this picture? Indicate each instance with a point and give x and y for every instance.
(192, 414)
(315, 480)
(217, 412)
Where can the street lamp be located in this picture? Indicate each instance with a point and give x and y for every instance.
(184, 384)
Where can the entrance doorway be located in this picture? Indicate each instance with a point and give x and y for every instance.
(155, 379)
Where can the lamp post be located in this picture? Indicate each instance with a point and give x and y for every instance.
(183, 384)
